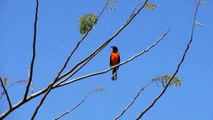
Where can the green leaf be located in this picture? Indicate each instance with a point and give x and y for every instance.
(177, 82)
(86, 23)
(150, 6)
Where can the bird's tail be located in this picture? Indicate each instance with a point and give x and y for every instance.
(114, 74)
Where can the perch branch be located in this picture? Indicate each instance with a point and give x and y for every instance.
(107, 70)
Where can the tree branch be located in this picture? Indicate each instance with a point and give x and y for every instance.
(107, 70)
(132, 102)
(178, 66)
(5, 91)
(75, 107)
(34, 52)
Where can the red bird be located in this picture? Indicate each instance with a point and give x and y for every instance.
(114, 60)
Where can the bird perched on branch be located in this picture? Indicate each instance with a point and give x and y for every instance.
(114, 60)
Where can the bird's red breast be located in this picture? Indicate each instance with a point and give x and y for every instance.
(114, 58)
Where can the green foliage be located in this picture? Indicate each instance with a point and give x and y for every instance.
(177, 82)
(150, 6)
(86, 23)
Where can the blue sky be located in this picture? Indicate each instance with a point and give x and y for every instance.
(58, 33)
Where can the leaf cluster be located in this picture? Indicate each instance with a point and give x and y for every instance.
(87, 22)
(176, 81)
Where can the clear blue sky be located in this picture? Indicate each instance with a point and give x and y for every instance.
(58, 32)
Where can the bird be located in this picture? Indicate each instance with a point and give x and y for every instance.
(114, 60)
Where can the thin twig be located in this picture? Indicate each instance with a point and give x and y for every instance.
(107, 70)
(133, 100)
(34, 52)
(7, 95)
(75, 107)
(178, 67)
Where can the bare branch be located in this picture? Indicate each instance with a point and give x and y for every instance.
(107, 70)
(20, 103)
(5, 91)
(41, 102)
(133, 100)
(34, 52)
(178, 66)
(75, 107)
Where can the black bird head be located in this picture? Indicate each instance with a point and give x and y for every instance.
(114, 48)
